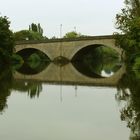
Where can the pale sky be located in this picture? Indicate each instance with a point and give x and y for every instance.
(90, 17)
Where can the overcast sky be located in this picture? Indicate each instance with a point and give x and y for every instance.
(90, 17)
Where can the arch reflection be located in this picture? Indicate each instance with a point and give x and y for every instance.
(26, 54)
(97, 61)
(34, 60)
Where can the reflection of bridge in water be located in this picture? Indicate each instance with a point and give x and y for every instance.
(67, 74)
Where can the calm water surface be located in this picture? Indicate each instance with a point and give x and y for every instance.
(62, 103)
(63, 113)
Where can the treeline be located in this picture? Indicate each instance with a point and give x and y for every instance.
(35, 32)
(6, 41)
(128, 22)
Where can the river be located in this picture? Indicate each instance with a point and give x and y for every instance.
(55, 106)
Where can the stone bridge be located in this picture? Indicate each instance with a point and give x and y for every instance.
(67, 74)
(68, 47)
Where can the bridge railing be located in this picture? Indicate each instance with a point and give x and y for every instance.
(65, 39)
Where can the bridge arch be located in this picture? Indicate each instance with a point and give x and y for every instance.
(90, 46)
(38, 47)
(67, 48)
(25, 53)
(84, 51)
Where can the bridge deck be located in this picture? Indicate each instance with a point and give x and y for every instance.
(65, 39)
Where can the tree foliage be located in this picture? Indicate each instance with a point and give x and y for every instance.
(36, 28)
(27, 35)
(129, 99)
(72, 34)
(6, 40)
(128, 21)
(35, 32)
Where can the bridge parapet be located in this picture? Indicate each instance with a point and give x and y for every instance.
(65, 39)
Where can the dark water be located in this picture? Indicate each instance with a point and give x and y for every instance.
(38, 106)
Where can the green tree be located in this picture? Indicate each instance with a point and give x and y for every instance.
(128, 21)
(27, 35)
(33, 27)
(36, 28)
(72, 34)
(6, 40)
(35, 32)
(40, 29)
